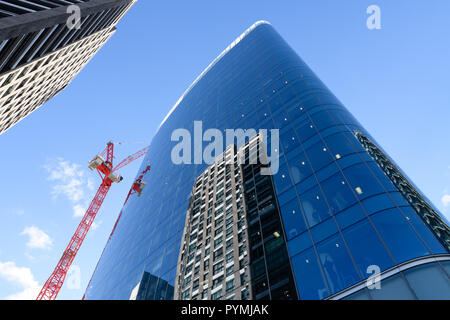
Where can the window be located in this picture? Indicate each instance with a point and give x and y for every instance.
(187, 281)
(195, 285)
(314, 206)
(217, 295)
(402, 241)
(218, 267)
(218, 254)
(185, 295)
(229, 244)
(218, 231)
(293, 218)
(337, 265)
(229, 271)
(243, 279)
(307, 272)
(338, 193)
(367, 250)
(229, 285)
(218, 242)
(217, 282)
(229, 257)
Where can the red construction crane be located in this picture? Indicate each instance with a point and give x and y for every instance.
(137, 187)
(107, 173)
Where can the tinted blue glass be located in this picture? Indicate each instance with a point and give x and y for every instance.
(319, 156)
(336, 263)
(362, 181)
(299, 243)
(282, 179)
(324, 230)
(366, 248)
(338, 193)
(293, 218)
(350, 216)
(298, 165)
(308, 276)
(314, 206)
(401, 240)
(423, 231)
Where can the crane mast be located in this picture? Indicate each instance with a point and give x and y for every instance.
(106, 171)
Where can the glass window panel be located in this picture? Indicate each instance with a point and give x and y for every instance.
(398, 235)
(289, 141)
(338, 193)
(282, 180)
(350, 216)
(319, 156)
(337, 265)
(362, 181)
(377, 203)
(314, 206)
(324, 230)
(366, 248)
(383, 179)
(300, 168)
(299, 244)
(294, 222)
(424, 232)
(310, 283)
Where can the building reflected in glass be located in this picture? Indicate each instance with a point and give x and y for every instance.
(348, 213)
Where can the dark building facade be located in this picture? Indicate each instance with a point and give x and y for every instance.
(354, 226)
(43, 46)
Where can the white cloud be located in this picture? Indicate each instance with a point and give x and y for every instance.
(69, 177)
(37, 238)
(78, 210)
(21, 276)
(72, 182)
(446, 200)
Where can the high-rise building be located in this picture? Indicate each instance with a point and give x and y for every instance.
(233, 246)
(354, 225)
(45, 44)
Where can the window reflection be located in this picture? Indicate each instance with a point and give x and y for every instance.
(314, 206)
(337, 265)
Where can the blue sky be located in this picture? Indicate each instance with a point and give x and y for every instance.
(394, 80)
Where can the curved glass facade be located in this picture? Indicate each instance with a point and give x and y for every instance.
(347, 210)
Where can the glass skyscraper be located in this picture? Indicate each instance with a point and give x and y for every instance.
(353, 225)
